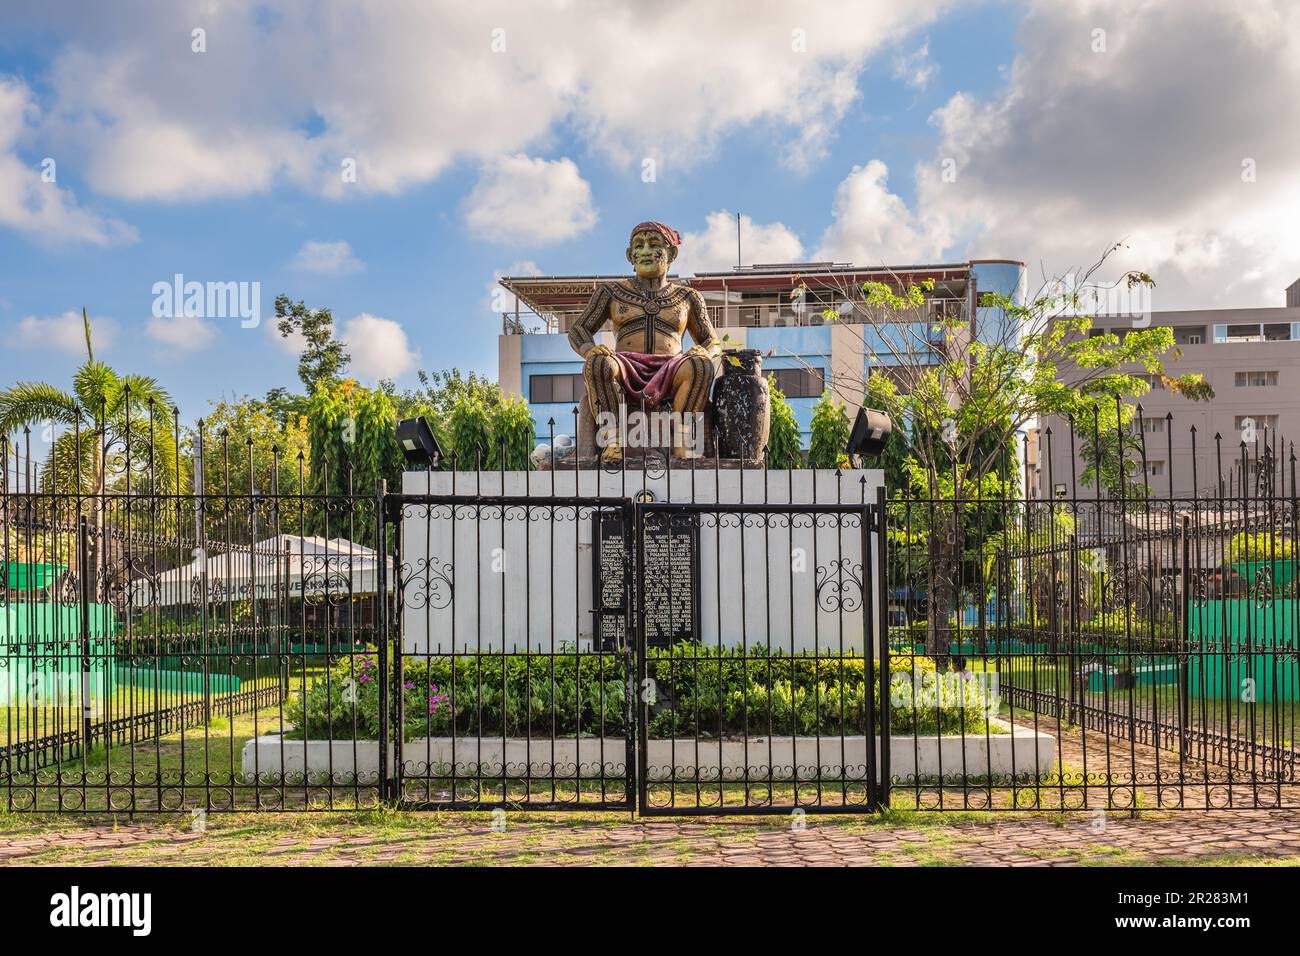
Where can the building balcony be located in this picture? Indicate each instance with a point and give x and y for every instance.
(747, 315)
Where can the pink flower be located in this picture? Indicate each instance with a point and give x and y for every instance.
(436, 700)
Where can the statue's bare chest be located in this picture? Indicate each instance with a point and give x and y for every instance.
(634, 312)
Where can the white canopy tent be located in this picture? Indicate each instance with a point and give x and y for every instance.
(287, 565)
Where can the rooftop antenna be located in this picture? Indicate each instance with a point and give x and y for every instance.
(738, 260)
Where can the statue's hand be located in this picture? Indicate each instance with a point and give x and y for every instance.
(701, 351)
(598, 350)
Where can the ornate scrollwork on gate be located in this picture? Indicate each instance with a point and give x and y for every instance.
(1128, 586)
(1261, 590)
(128, 584)
(429, 583)
(66, 590)
(1113, 588)
(1167, 598)
(1201, 587)
(1141, 594)
(326, 580)
(217, 589)
(839, 586)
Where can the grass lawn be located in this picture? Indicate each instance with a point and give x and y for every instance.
(1276, 723)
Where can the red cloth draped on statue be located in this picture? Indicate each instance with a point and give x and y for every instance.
(648, 377)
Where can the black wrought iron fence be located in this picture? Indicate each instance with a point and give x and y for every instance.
(150, 637)
(682, 639)
(1131, 648)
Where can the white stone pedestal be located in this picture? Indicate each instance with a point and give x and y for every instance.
(482, 578)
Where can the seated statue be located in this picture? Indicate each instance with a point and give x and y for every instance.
(649, 315)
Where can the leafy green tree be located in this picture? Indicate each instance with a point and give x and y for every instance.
(830, 433)
(469, 433)
(439, 391)
(324, 358)
(248, 450)
(246, 438)
(784, 448)
(511, 435)
(961, 394)
(1111, 451)
(285, 405)
(353, 441)
(437, 394)
(958, 394)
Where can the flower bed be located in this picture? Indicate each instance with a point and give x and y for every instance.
(695, 693)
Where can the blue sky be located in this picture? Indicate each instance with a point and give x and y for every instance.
(906, 86)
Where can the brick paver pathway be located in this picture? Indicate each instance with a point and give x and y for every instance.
(1032, 840)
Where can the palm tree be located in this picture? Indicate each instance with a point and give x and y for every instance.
(118, 436)
(119, 428)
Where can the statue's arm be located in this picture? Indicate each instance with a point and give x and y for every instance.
(582, 334)
(700, 327)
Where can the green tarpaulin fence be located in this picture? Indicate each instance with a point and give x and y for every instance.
(41, 654)
(1259, 662)
(31, 577)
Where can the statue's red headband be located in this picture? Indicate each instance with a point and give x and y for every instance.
(671, 235)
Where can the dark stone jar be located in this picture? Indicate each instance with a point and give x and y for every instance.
(742, 406)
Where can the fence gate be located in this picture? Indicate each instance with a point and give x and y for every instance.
(755, 625)
(513, 664)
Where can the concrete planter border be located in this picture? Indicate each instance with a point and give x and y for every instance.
(1021, 754)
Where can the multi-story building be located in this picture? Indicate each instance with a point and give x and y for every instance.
(1251, 357)
(757, 306)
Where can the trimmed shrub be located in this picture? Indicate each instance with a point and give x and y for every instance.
(830, 434)
(700, 691)
(784, 449)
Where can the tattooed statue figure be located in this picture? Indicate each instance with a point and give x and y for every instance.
(649, 315)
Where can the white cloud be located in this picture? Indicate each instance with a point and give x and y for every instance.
(713, 249)
(184, 332)
(1142, 142)
(916, 68)
(872, 226)
(521, 199)
(524, 267)
(66, 333)
(291, 345)
(498, 299)
(28, 203)
(326, 258)
(154, 120)
(379, 347)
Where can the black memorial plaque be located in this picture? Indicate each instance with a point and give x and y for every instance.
(671, 570)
